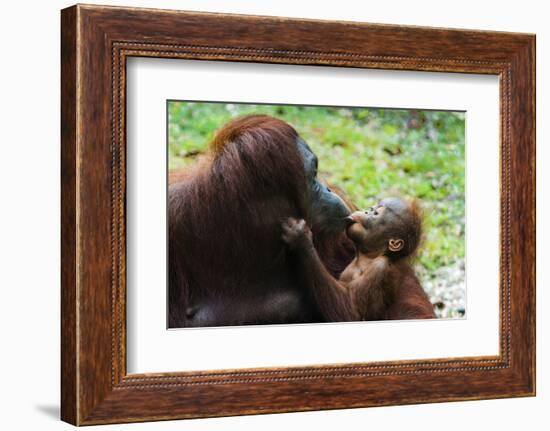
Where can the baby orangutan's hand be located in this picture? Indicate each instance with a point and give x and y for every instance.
(296, 233)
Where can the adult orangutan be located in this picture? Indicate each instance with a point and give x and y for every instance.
(227, 262)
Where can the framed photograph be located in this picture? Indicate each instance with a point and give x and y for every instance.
(263, 214)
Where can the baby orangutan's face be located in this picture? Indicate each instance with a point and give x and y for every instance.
(371, 230)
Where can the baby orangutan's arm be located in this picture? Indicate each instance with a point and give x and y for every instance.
(333, 298)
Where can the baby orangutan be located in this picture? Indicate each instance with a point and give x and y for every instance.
(384, 236)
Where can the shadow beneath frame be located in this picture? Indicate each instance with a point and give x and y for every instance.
(52, 411)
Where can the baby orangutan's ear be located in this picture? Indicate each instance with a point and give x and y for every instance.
(396, 244)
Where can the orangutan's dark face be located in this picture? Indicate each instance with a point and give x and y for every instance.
(327, 211)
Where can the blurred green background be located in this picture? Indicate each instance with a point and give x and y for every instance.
(370, 154)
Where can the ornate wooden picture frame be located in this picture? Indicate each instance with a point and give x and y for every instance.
(96, 41)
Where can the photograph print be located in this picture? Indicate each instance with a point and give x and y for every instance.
(287, 214)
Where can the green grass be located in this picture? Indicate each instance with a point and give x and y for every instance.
(369, 153)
